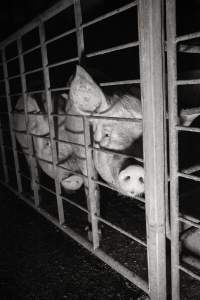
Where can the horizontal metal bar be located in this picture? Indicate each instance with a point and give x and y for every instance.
(13, 77)
(192, 274)
(60, 89)
(113, 49)
(112, 187)
(187, 81)
(192, 169)
(49, 13)
(30, 50)
(109, 83)
(33, 71)
(132, 277)
(34, 92)
(24, 175)
(63, 62)
(116, 152)
(188, 129)
(64, 34)
(187, 37)
(68, 142)
(45, 188)
(43, 160)
(136, 120)
(75, 204)
(120, 82)
(188, 176)
(71, 171)
(109, 14)
(117, 228)
(189, 222)
(15, 94)
(13, 58)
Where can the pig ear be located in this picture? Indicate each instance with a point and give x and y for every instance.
(85, 94)
(187, 116)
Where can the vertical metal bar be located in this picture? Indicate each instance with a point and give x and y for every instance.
(33, 163)
(17, 169)
(51, 123)
(173, 143)
(3, 155)
(93, 196)
(151, 63)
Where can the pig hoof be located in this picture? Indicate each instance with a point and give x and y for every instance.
(73, 182)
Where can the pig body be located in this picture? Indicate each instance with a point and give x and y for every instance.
(87, 98)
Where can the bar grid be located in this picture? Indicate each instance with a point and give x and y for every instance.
(150, 29)
(174, 128)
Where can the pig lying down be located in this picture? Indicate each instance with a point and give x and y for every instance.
(87, 98)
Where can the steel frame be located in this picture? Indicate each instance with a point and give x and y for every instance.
(174, 129)
(151, 48)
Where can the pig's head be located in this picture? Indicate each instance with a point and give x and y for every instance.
(111, 136)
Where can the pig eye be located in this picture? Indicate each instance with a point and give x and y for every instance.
(107, 134)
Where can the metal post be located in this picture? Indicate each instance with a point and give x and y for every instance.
(33, 163)
(152, 89)
(14, 145)
(51, 122)
(3, 154)
(93, 196)
(173, 143)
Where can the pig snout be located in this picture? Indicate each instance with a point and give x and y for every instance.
(131, 180)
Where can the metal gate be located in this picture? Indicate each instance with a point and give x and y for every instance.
(18, 72)
(183, 221)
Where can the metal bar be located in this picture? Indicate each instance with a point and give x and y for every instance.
(93, 197)
(3, 155)
(118, 190)
(189, 222)
(115, 265)
(11, 59)
(30, 50)
(75, 204)
(113, 49)
(117, 228)
(150, 15)
(120, 82)
(188, 176)
(173, 145)
(188, 129)
(11, 122)
(192, 274)
(33, 163)
(15, 94)
(110, 14)
(66, 33)
(49, 13)
(51, 123)
(63, 62)
(188, 81)
(186, 37)
(191, 169)
(33, 71)
(13, 77)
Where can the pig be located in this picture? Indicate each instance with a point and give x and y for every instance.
(87, 98)
(109, 137)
